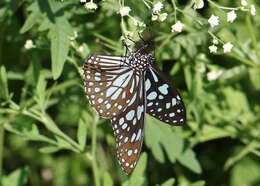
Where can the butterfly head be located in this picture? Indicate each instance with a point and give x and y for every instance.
(140, 61)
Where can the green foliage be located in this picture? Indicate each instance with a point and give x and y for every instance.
(48, 127)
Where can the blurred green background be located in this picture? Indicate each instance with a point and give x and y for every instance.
(49, 135)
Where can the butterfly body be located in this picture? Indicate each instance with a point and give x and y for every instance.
(140, 61)
(124, 89)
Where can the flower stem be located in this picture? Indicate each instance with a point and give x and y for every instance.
(252, 35)
(223, 7)
(174, 6)
(93, 152)
(1, 149)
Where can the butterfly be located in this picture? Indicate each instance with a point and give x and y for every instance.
(125, 88)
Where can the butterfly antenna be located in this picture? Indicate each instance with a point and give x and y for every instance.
(126, 47)
(139, 34)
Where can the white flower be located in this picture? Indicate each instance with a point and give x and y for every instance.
(201, 67)
(199, 4)
(157, 7)
(124, 10)
(215, 41)
(74, 36)
(81, 49)
(154, 17)
(29, 44)
(252, 10)
(83, 1)
(227, 47)
(243, 2)
(231, 16)
(213, 49)
(91, 6)
(138, 23)
(213, 20)
(177, 27)
(163, 17)
(213, 75)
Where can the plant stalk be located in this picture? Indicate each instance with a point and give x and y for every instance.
(1, 149)
(93, 151)
(252, 35)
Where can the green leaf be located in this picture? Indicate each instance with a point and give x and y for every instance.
(169, 182)
(245, 172)
(49, 149)
(60, 33)
(19, 177)
(82, 134)
(3, 84)
(254, 75)
(40, 91)
(162, 135)
(232, 97)
(32, 18)
(189, 160)
(211, 133)
(107, 180)
(138, 175)
(198, 183)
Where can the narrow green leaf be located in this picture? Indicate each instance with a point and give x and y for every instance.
(254, 75)
(107, 180)
(3, 84)
(60, 33)
(40, 91)
(211, 133)
(49, 149)
(169, 182)
(198, 183)
(82, 134)
(32, 18)
(63, 143)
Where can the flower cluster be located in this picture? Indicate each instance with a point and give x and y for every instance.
(157, 14)
(177, 27)
(227, 47)
(230, 17)
(125, 10)
(89, 5)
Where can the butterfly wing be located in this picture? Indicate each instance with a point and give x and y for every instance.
(163, 100)
(128, 128)
(109, 84)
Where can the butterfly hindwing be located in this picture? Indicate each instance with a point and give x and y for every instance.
(163, 100)
(128, 128)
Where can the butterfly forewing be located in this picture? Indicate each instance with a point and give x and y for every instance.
(163, 100)
(109, 84)
(128, 128)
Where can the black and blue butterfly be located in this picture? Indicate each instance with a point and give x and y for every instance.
(125, 88)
